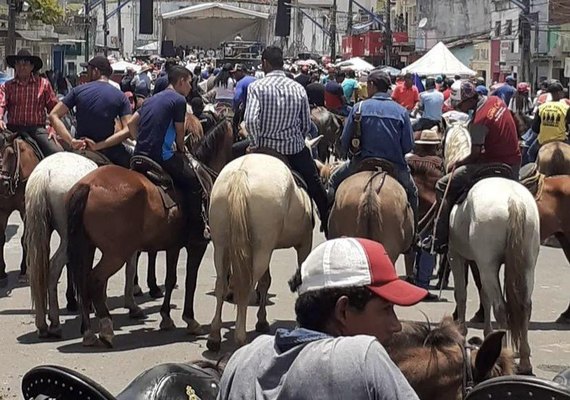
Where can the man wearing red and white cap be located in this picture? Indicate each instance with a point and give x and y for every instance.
(345, 311)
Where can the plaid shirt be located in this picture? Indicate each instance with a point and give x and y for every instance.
(26, 103)
(277, 114)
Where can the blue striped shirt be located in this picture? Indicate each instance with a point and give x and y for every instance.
(277, 114)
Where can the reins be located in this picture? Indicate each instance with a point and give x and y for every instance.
(468, 381)
(13, 179)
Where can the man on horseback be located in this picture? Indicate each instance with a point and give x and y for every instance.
(553, 118)
(26, 98)
(158, 126)
(334, 95)
(97, 106)
(345, 311)
(277, 117)
(493, 130)
(385, 132)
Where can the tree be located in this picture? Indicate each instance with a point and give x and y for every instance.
(47, 11)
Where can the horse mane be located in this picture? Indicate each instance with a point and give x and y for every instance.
(457, 143)
(210, 143)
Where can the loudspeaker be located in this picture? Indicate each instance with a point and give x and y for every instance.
(146, 24)
(283, 18)
(167, 49)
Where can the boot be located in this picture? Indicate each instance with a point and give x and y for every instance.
(198, 228)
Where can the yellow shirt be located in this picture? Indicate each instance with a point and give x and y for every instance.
(552, 122)
(362, 91)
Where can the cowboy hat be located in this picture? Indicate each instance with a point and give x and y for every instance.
(25, 54)
(429, 137)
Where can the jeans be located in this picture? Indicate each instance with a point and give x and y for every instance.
(186, 181)
(530, 147)
(424, 123)
(304, 164)
(402, 175)
(40, 135)
(118, 155)
(425, 263)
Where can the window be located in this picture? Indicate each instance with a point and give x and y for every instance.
(509, 27)
(497, 28)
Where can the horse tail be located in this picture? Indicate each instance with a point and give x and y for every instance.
(78, 242)
(37, 237)
(516, 284)
(240, 244)
(369, 217)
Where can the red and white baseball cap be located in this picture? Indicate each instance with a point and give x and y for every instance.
(353, 262)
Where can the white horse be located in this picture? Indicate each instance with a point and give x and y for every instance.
(256, 207)
(497, 223)
(46, 191)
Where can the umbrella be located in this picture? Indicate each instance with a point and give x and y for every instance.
(391, 70)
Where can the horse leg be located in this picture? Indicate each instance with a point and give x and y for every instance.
(489, 274)
(480, 314)
(105, 268)
(137, 291)
(195, 255)
(89, 338)
(409, 260)
(154, 290)
(564, 239)
(23, 266)
(260, 263)
(458, 268)
(70, 294)
(222, 264)
(171, 263)
(55, 268)
(3, 222)
(135, 311)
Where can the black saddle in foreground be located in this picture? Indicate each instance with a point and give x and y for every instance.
(495, 170)
(163, 382)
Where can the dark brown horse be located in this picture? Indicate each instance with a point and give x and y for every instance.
(18, 162)
(436, 361)
(554, 158)
(120, 212)
(329, 126)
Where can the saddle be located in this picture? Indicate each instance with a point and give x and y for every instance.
(532, 179)
(296, 176)
(97, 157)
(376, 164)
(163, 382)
(496, 170)
(158, 176)
(520, 388)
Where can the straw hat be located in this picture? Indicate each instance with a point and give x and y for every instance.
(429, 137)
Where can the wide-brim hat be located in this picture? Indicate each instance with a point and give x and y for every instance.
(429, 137)
(25, 54)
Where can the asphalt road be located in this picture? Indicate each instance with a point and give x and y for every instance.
(140, 344)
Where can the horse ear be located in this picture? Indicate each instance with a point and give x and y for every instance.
(489, 353)
(312, 143)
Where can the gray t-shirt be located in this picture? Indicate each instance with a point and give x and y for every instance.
(356, 368)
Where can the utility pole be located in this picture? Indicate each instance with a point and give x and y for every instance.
(349, 20)
(333, 32)
(119, 29)
(525, 39)
(10, 46)
(388, 36)
(105, 27)
(87, 29)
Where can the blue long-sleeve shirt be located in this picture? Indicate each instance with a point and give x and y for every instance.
(386, 130)
(240, 94)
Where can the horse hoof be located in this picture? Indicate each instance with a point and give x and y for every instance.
(156, 293)
(213, 345)
(167, 324)
(3, 280)
(107, 340)
(89, 339)
(72, 306)
(137, 313)
(262, 327)
(563, 319)
(524, 371)
(55, 333)
(478, 318)
(43, 333)
(137, 291)
(23, 278)
(194, 327)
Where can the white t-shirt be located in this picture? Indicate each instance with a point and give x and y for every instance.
(114, 84)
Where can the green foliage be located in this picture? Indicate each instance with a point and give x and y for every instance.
(47, 11)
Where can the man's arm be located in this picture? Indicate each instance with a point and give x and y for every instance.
(3, 104)
(179, 127)
(133, 125)
(55, 116)
(49, 97)
(349, 127)
(407, 140)
(114, 139)
(252, 112)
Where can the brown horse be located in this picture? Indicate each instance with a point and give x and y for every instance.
(438, 363)
(120, 212)
(18, 162)
(373, 205)
(554, 159)
(329, 126)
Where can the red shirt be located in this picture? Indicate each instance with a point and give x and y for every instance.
(27, 103)
(406, 97)
(494, 128)
(333, 95)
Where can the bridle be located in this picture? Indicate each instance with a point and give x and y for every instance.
(468, 380)
(11, 181)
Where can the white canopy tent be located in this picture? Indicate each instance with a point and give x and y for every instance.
(208, 24)
(153, 46)
(356, 64)
(439, 60)
(121, 66)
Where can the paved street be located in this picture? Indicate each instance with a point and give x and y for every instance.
(140, 345)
